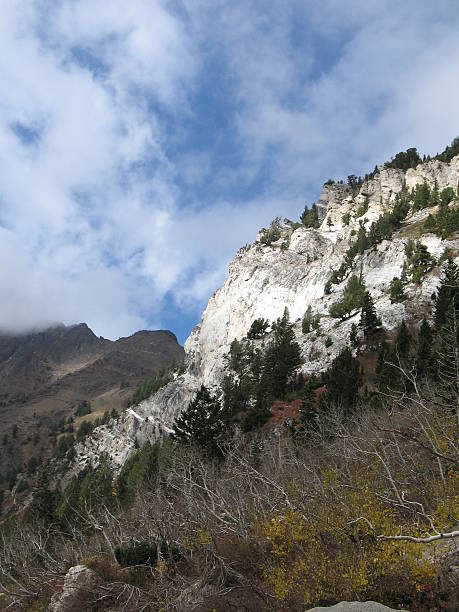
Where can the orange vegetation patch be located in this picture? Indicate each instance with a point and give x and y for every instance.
(284, 411)
(290, 411)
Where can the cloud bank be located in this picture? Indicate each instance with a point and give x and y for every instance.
(142, 143)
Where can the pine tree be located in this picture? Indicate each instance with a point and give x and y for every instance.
(307, 321)
(447, 297)
(368, 318)
(310, 217)
(308, 413)
(403, 341)
(140, 469)
(344, 379)
(282, 358)
(424, 357)
(257, 329)
(448, 360)
(397, 293)
(44, 500)
(354, 336)
(352, 299)
(202, 424)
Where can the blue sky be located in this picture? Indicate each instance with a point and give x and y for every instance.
(143, 142)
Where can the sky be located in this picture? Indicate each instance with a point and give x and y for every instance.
(143, 142)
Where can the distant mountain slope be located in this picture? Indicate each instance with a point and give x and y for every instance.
(45, 375)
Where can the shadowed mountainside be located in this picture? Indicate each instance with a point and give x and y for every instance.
(44, 375)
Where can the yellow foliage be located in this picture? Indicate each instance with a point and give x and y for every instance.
(204, 536)
(333, 552)
(162, 567)
(187, 543)
(447, 508)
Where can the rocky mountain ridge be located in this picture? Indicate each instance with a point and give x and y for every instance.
(46, 374)
(292, 271)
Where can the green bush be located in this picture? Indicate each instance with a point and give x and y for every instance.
(137, 553)
(362, 209)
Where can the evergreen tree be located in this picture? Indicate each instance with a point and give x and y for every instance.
(421, 196)
(344, 379)
(306, 323)
(43, 500)
(354, 336)
(451, 151)
(140, 469)
(257, 329)
(352, 299)
(448, 360)
(240, 385)
(425, 365)
(68, 511)
(308, 413)
(258, 414)
(397, 293)
(282, 358)
(369, 321)
(405, 159)
(310, 217)
(96, 486)
(447, 298)
(386, 374)
(201, 424)
(403, 341)
(419, 259)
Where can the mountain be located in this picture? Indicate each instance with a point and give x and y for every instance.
(291, 265)
(313, 455)
(45, 375)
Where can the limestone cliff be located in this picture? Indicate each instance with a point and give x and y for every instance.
(292, 272)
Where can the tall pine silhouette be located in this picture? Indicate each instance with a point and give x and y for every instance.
(369, 320)
(202, 424)
(447, 296)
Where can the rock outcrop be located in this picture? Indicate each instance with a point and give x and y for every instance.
(292, 272)
(77, 590)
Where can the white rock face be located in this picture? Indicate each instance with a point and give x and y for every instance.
(292, 272)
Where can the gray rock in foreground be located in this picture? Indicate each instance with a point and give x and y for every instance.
(355, 606)
(78, 588)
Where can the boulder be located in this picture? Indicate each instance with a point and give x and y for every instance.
(78, 589)
(355, 606)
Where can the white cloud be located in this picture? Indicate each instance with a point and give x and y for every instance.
(115, 203)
